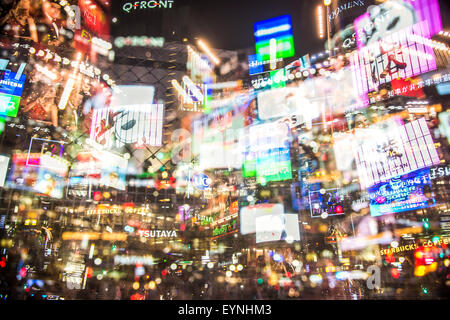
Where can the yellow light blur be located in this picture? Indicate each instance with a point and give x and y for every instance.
(273, 279)
(206, 49)
(327, 2)
(135, 285)
(152, 285)
(419, 271)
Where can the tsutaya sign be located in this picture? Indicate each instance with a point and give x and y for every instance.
(344, 7)
(138, 5)
(157, 233)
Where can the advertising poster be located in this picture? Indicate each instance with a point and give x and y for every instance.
(99, 167)
(326, 201)
(408, 192)
(277, 227)
(131, 118)
(267, 153)
(49, 180)
(11, 87)
(249, 214)
(4, 161)
(389, 150)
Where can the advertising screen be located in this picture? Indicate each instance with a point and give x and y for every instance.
(402, 54)
(96, 17)
(267, 152)
(277, 227)
(216, 136)
(327, 95)
(99, 167)
(249, 214)
(11, 87)
(280, 29)
(4, 161)
(326, 201)
(404, 193)
(389, 150)
(49, 180)
(131, 118)
(392, 16)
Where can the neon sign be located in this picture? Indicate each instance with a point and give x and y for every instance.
(326, 202)
(225, 229)
(280, 29)
(136, 41)
(201, 181)
(138, 5)
(344, 7)
(157, 233)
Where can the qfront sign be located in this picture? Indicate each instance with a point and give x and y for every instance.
(141, 5)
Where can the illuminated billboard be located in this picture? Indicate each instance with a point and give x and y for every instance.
(280, 29)
(249, 214)
(326, 202)
(99, 167)
(402, 54)
(216, 136)
(267, 152)
(392, 16)
(404, 193)
(11, 87)
(389, 150)
(132, 117)
(49, 180)
(4, 161)
(276, 227)
(96, 19)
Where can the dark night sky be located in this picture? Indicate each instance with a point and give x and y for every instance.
(229, 24)
(223, 24)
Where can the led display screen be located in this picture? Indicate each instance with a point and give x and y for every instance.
(131, 118)
(99, 167)
(392, 16)
(327, 95)
(11, 87)
(390, 150)
(280, 29)
(249, 214)
(401, 54)
(48, 179)
(277, 227)
(326, 201)
(4, 161)
(216, 136)
(267, 153)
(404, 193)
